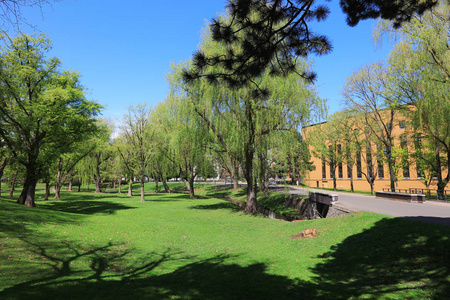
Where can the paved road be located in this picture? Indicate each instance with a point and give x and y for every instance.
(430, 211)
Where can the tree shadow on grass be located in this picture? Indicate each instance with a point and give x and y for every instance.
(221, 205)
(396, 255)
(395, 258)
(85, 206)
(106, 276)
(15, 219)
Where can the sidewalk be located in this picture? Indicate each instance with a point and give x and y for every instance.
(430, 211)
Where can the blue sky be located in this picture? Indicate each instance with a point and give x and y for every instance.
(124, 49)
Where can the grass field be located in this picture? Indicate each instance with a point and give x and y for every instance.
(108, 246)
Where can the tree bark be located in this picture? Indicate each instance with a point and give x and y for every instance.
(47, 190)
(186, 184)
(120, 186)
(391, 169)
(2, 167)
(29, 188)
(142, 188)
(70, 184)
(13, 184)
(351, 184)
(130, 187)
(97, 171)
(234, 177)
(191, 187)
(58, 179)
(156, 185)
(166, 187)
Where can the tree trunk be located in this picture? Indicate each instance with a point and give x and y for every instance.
(391, 169)
(142, 188)
(57, 192)
(156, 185)
(2, 167)
(252, 205)
(79, 186)
(186, 184)
(47, 190)
(191, 187)
(58, 179)
(120, 186)
(130, 188)
(334, 182)
(114, 185)
(233, 174)
(29, 188)
(70, 184)
(97, 177)
(13, 184)
(166, 187)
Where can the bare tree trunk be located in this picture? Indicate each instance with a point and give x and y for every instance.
(156, 185)
(114, 185)
(142, 188)
(2, 167)
(234, 177)
(70, 184)
(191, 187)
(130, 188)
(351, 184)
(120, 186)
(13, 184)
(47, 190)
(251, 206)
(97, 177)
(186, 184)
(29, 188)
(58, 179)
(166, 187)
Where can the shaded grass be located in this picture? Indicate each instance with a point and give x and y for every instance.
(171, 247)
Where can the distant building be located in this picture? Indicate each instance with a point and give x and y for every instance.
(409, 177)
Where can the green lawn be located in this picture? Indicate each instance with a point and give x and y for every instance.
(108, 246)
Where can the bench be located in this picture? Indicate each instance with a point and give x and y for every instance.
(420, 198)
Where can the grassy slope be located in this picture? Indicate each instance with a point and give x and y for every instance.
(110, 246)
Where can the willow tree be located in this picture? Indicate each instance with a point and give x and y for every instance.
(41, 106)
(188, 137)
(240, 117)
(420, 60)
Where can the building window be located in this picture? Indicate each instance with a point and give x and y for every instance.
(419, 172)
(380, 170)
(324, 168)
(402, 124)
(349, 171)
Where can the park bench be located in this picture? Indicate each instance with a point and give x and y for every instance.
(401, 196)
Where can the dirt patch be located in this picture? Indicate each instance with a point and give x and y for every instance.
(307, 233)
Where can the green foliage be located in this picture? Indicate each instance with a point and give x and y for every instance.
(43, 108)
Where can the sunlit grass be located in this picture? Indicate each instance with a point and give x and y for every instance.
(96, 246)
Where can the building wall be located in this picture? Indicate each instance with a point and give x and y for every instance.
(315, 178)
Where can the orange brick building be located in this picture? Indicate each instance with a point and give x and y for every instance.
(407, 178)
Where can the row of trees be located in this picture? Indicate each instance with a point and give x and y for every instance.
(413, 85)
